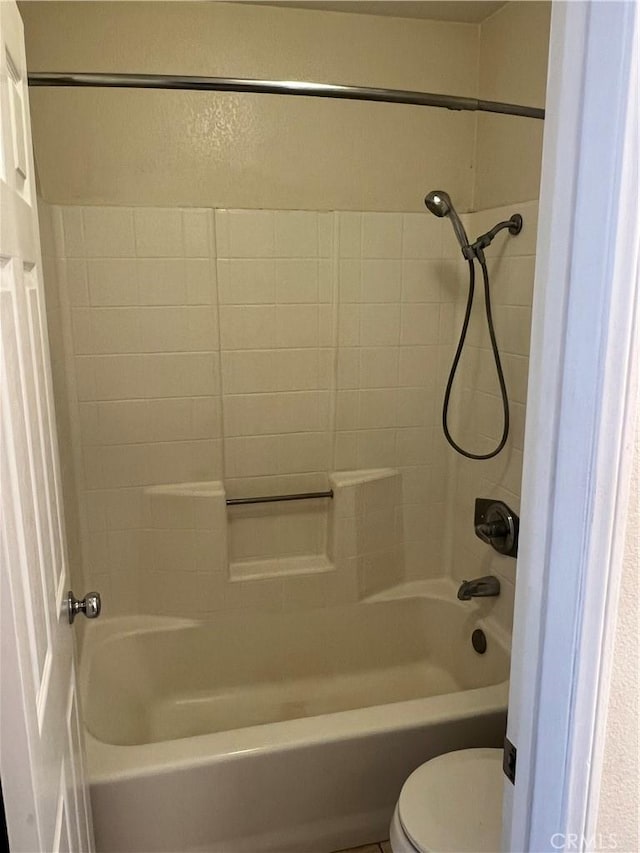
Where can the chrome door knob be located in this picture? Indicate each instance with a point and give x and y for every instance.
(90, 605)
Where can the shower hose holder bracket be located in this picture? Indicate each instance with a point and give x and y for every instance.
(497, 525)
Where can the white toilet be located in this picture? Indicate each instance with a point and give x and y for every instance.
(451, 804)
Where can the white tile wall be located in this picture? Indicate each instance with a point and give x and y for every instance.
(138, 291)
(266, 350)
(366, 528)
(276, 294)
(394, 318)
(477, 409)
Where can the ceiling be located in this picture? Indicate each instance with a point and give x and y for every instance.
(462, 11)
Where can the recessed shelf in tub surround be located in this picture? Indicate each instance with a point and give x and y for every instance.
(358, 524)
(274, 539)
(305, 564)
(271, 552)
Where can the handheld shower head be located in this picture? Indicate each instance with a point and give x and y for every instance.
(439, 203)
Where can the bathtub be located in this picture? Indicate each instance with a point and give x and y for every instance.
(280, 731)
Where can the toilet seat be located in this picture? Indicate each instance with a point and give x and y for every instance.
(398, 837)
(452, 804)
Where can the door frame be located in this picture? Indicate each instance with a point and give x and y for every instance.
(583, 394)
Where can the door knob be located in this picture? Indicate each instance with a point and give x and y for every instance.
(90, 605)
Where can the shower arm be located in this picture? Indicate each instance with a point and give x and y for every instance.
(513, 224)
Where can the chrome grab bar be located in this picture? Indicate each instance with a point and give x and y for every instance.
(267, 499)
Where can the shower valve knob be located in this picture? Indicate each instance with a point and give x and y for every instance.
(494, 530)
(90, 605)
(497, 525)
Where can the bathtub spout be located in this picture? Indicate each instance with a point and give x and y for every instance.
(479, 588)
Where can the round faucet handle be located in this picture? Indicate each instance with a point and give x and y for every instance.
(497, 525)
(492, 530)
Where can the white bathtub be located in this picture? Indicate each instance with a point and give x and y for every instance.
(281, 731)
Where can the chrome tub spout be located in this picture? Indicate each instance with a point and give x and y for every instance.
(479, 588)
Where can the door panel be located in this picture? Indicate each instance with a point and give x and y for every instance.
(41, 753)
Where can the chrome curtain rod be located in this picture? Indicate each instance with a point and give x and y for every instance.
(279, 87)
(268, 499)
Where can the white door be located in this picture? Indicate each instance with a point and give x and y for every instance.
(41, 759)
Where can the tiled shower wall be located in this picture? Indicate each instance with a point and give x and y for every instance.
(476, 413)
(264, 349)
(275, 290)
(398, 284)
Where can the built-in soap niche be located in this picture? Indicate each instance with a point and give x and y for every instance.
(358, 531)
(278, 538)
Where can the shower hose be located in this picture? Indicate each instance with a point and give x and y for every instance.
(496, 357)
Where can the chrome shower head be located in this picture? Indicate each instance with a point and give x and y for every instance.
(439, 203)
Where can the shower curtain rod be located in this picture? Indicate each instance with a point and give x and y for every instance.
(279, 87)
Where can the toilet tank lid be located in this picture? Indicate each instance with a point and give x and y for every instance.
(454, 803)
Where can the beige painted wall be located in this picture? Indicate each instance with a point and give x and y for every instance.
(514, 47)
(230, 150)
(620, 792)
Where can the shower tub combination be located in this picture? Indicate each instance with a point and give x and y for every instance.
(280, 732)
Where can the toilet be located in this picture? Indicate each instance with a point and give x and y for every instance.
(451, 804)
